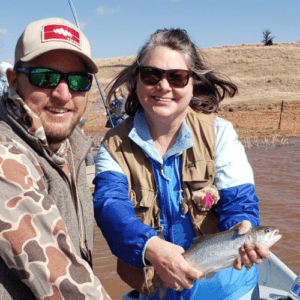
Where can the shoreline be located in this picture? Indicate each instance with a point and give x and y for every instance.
(250, 120)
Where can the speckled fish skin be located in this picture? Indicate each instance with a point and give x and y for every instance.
(215, 252)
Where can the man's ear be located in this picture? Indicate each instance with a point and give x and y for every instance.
(12, 76)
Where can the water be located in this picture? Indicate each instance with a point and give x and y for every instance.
(277, 180)
(105, 265)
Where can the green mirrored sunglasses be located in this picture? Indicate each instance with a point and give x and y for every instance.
(49, 79)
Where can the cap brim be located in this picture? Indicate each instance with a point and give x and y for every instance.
(89, 63)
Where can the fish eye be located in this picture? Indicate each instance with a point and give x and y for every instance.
(267, 230)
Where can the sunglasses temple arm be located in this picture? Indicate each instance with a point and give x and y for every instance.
(98, 84)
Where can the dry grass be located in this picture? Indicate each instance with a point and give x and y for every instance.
(265, 143)
(261, 73)
(264, 75)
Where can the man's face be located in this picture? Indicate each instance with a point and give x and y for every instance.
(117, 94)
(59, 109)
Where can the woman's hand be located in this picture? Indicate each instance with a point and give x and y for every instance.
(170, 265)
(250, 253)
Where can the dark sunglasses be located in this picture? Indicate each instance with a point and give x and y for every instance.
(176, 77)
(49, 79)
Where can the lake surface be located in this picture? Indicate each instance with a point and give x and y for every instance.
(277, 179)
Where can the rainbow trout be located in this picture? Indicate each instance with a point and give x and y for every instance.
(214, 252)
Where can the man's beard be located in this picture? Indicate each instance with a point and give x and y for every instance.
(54, 138)
(57, 139)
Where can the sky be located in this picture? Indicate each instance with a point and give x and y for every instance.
(118, 28)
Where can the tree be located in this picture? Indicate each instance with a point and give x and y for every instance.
(267, 39)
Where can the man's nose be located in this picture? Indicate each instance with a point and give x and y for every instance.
(62, 91)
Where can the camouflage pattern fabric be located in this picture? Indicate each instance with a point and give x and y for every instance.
(34, 241)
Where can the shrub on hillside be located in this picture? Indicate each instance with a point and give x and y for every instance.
(267, 39)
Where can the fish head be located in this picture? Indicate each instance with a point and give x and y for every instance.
(265, 236)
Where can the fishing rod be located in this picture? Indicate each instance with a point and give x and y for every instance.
(95, 76)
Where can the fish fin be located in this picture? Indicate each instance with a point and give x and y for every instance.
(199, 239)
(160, 286)
(162, 293)
(210, 275)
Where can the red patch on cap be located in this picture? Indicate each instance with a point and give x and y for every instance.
(61, 33)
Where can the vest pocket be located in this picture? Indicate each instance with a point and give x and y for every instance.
(199, 174)
(145, 205)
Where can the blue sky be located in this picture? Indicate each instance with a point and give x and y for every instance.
(119, 27)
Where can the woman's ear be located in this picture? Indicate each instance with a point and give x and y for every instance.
(12, 76)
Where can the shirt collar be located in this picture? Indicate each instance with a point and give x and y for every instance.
(140, 134)
(29, 120)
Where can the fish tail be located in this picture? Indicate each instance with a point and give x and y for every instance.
(160, 286)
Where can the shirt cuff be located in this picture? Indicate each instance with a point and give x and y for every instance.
(145, 261)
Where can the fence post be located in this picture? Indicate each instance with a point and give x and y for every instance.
(281, 112)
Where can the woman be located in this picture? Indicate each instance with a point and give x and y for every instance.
(151, 170)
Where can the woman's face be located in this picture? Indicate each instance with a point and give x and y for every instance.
(162, 101)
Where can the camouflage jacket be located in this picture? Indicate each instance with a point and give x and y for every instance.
(44, 226)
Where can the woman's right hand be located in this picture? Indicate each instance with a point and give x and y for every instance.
(173, 269)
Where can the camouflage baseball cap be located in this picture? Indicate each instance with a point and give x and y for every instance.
(54, 34)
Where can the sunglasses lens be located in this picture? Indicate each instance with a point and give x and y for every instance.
(49, 79)
(178, 78)
(150, 76)
(44, 78)
(80, 82)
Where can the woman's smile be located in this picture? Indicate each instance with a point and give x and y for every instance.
(163, 100)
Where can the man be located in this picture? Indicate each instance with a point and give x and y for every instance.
(46, 215)
(118, 114)
(3, 80)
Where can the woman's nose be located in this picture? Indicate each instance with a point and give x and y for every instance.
(62, 91)
(164, 83)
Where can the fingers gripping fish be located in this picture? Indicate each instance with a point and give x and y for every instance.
(214, 252)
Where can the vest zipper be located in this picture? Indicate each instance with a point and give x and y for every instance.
(181, 195)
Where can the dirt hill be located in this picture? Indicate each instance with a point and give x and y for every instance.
(265, 76)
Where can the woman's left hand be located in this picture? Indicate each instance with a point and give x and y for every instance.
(249, 253)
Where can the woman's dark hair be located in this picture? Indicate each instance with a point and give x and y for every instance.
(209, 87)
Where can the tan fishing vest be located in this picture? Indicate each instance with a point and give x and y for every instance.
(198, 171)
